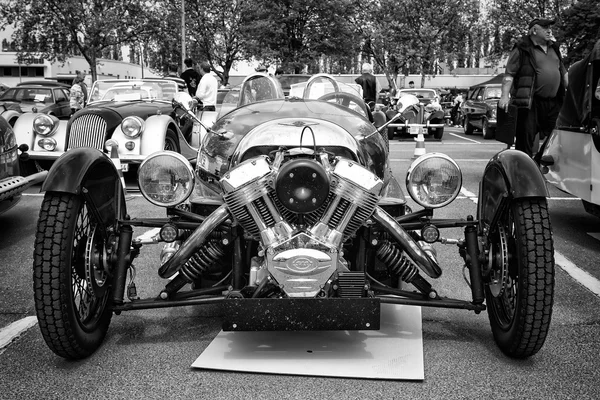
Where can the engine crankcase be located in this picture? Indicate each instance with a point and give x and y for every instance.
(302, 265)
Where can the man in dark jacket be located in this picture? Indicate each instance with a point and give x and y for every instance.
(369, 85)
(190, 76)
(536, 80)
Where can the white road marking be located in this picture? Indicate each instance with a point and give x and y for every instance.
(464, 138)
(581, 276)
(12, 331)
(577, 273)
(595, 235)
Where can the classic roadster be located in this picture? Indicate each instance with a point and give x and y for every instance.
(290, 219)
(421, 114)
(12, 183)
(133, 115)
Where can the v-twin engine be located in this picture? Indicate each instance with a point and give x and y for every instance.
(301, 210)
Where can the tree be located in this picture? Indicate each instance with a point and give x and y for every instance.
(56, 30)
(219, 32)
(298, 33)
(579, 29)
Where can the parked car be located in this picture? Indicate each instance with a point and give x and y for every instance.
(12, 183)
(480, 107)
(570, 156)
(3, 88)
(417, 118)
(134, 115)
(36, 98)
(290, 219)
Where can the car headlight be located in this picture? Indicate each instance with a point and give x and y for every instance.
(166, 178)
(433, 180)
(10, 141)
(132, 127)
(493, 112)
(45, 125)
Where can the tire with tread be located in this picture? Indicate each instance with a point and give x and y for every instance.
(469, 129)
(520, 315)
(488, 133)
(171, 141)
(73, 320)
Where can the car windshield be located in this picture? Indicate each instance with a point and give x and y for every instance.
(421, 94)
(132, 90)
(262, 87)
(493, 93)
(28, 95)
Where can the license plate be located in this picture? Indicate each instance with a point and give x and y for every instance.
(414, 130)
(124, 167)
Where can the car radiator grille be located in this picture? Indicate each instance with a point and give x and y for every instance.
(87, 131)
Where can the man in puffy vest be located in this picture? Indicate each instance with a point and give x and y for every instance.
(536, 80)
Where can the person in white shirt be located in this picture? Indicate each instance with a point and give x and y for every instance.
(207, 88)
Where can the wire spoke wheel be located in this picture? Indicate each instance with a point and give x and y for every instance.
(520, 287)
(71, 281)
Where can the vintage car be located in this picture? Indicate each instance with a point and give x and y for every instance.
(51, 99)
(570, 155)
(419, 116)
(290, 219)
(136, 116)
(12, 184)
(480, 107)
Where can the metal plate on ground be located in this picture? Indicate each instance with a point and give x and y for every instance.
(394, 352)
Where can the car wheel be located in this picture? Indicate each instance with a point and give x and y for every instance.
(488, 133)
(70, 278)
(469, 129)
(520, 289)
(171, 142)
(390, 133)
(438, 133)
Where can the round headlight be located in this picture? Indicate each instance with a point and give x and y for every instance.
(132, 127)
(166, 178)
(48, 144)
(45, 125)
(433, 180)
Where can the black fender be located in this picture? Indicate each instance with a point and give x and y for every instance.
(89, 172)
(509, 175)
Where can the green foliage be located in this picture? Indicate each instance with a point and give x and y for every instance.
(56, 29)
(579, 29)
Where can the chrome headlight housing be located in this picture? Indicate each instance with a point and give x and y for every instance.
(132, 126)
(166, 178)
(45, 125)
(433, 180)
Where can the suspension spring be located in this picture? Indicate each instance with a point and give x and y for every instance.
(206, 256)
(397, 262)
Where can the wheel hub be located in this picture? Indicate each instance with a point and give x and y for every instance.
(96, 258)
(498, 260)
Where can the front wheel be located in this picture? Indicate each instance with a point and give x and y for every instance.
(488, 133)
(70, 279)
(469, 129)
(171, 141)
(520, 288)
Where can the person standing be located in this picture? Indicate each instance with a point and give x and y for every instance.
(535, 81)
(81, 76)
(76, 96)
(369, 85)
(207, 89)
(190, 76)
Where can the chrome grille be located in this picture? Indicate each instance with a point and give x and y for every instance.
(87, 131)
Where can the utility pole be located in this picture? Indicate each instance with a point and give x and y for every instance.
(182, 34)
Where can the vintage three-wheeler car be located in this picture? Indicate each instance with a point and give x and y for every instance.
(290, 219)
(571, 154)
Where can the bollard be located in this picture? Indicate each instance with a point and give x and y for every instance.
(420, 145)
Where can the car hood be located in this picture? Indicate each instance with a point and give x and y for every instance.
(142, 109)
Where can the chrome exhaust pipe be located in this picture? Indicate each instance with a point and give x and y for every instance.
(409, 245)
(193, 243)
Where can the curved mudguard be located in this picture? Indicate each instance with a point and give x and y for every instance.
(89, 171)
(510, 174)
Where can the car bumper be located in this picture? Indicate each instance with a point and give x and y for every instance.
(415, 129)
(53, 155)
